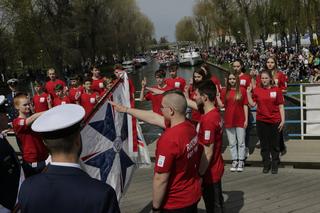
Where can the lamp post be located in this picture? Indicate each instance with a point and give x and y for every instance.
(275, 34)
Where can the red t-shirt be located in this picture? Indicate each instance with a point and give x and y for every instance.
(97, 85)
(72, 93)
(156, 99)
(245, 80)
(177, 153)
(280, 80)
(216, 82)
(58, 101)
(33, 149)
(51, 85)
(88, 101)
(268, 101)
(234, 110)
(210, 132)
(176, 83)
(40, 102)
(195, 114)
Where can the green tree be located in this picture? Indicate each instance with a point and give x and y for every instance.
(185, 30)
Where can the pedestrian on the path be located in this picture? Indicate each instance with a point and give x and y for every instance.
(270, 119)
(234, 99)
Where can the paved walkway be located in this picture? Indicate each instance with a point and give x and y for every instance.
(292, 190)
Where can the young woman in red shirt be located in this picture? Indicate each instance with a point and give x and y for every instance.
(234, 100)
(199, 75)
(270, 119)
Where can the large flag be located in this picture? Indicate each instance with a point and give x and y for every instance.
(110, 139)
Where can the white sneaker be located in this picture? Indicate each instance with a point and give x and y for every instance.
(234, 166)
(240, 166)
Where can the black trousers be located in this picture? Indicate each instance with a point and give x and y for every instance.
(212, 196)
(189, 209)
(248, 129)
(269, 137)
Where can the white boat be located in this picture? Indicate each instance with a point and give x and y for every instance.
(191, 57)
(128, 66)
(140, 60)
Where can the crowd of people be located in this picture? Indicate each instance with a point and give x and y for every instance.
(188, 161)
(302, 65)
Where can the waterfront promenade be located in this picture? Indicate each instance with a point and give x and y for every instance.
(295, 189)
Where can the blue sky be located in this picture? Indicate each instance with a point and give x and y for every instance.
(165, 14)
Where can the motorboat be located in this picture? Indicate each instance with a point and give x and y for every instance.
(128, 66)
(189, 57)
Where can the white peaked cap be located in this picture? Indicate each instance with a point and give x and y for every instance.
(58, 121)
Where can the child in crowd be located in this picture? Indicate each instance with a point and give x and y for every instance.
(41, 100)
(34, 153)
(61, 97)
(88, 98)
(76, 89)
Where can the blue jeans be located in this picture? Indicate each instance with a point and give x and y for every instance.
(236, 137)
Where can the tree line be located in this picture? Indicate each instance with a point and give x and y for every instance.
(248, 20)
(39, 33)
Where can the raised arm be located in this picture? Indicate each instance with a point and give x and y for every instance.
(143, 86)
(250, 100)
(144, 115)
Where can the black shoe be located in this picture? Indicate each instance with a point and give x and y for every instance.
(266, 169)
(283, 152)
(274, 168)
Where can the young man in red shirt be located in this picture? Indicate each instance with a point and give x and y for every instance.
(88, 98)
(174, 81)
(76, 89)
(210, 137)
(97, 80)
(53, 82)
(155, 98)
(61, 97)
(176, 183)
(41, 100)
(34, 153)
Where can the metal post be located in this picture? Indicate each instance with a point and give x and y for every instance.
(301, 112)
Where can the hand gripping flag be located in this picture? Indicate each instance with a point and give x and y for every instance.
(109, 152)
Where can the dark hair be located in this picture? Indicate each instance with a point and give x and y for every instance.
(62, 145)
(200, 72)
(160, 73)
(205, 68)
(94, 66)
(208, 88)
(87, 79)
(243, 69)
(118, 67)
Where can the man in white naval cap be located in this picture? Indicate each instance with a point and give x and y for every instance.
(64, 187)
(11, 111)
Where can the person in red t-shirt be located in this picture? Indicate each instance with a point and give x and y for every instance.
(176, 183)
(97, 80)
(210, 137)
(270, 119)
(61, 97)
(212, 77)
(53, 82)
(245, 81)
(174, 81)
(155, 98)
(34, 152)
(41, 100)
(199, 75)
(234, 100)
(76, 89)
(279, 80)
(88, 98)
